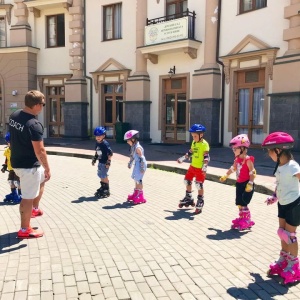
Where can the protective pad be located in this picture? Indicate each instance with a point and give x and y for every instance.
(187, 182)
(199, 185)
(288, 237)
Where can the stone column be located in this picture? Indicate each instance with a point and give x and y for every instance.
(76, 105)
(20, 33)
(285, 96)
(206, 82)
(137, 105)
(292, 34)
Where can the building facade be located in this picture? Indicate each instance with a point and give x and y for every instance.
(157, 66)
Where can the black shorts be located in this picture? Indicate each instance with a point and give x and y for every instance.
(242, 197)
(290, 212)
(13, 176)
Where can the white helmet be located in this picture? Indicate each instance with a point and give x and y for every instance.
(130, 134)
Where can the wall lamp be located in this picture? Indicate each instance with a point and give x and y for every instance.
(14, 92)
(172, 72)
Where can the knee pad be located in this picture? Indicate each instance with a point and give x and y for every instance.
(16, 183)
(287, 237)
(199, 185)
(139, 182)
(187, 182)
(10, 182)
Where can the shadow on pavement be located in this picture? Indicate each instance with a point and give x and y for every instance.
(119, 205)
(252, 291)
(9, 240)
(230, 234)
(180, 214)
(83, 199)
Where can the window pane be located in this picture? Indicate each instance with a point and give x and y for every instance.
(62, 102)
(170, 108)
(176, 84)
(108, 22)
(243, 106)
(51, 31)
(117, 21)
(2, 32)
(258, 106)
(171, 9)
(108, 88)
(119, 109)
(108, 110)
(61, 30)
(181, 109)
(247, 5)
(53, 110)
(261, 3)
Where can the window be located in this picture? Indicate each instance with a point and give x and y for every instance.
(112, 22)
(249, 5)
(2, 32)
(56, 31)
(175, 7)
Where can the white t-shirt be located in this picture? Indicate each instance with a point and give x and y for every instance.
(288, 189)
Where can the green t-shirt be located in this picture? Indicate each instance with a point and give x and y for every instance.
(198, 150)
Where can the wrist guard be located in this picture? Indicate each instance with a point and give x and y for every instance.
(4, 168)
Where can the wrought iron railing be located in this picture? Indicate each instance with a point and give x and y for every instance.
(191, 21)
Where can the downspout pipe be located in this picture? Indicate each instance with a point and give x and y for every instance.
(84, 69)
(222, 70)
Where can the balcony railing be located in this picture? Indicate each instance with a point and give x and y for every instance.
(191, 21)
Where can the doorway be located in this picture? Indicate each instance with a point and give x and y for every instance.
(250, 98)
(55, 102)
(174, 111)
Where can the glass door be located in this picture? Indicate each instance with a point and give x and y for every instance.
(113, 107)
(175, 112)
(250, 106)
(56, 100)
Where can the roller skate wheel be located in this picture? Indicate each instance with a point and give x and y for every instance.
(186, 205)
(193, 204)
(180, 205)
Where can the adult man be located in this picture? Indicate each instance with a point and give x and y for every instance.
(29, 159)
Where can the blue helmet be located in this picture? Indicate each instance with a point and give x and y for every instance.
(197, 128)
(7, 137)
(99, 131)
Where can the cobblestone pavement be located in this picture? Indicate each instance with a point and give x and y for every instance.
(108, 249)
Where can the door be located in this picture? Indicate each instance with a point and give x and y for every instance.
(250, 105)
(56, 100)
(113, 107)
(175, 111)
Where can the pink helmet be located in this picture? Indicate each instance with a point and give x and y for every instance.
(240, 140)
(130, 134)
(278, 139)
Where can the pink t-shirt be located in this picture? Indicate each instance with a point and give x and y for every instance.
(242, 170)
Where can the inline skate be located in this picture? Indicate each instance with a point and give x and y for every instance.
(278, 266)
(199, 205)
(291, 272)
(244, 222)
(130, 197)
(187, 201)
(139, 197)
(103, 191)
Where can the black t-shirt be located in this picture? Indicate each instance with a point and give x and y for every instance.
(103, 150)
(24, 128)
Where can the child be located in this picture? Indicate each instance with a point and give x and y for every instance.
(103, 155)
(287, 172)
(243, 165)
(199, 153)
(140, 166)
(13, 179)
